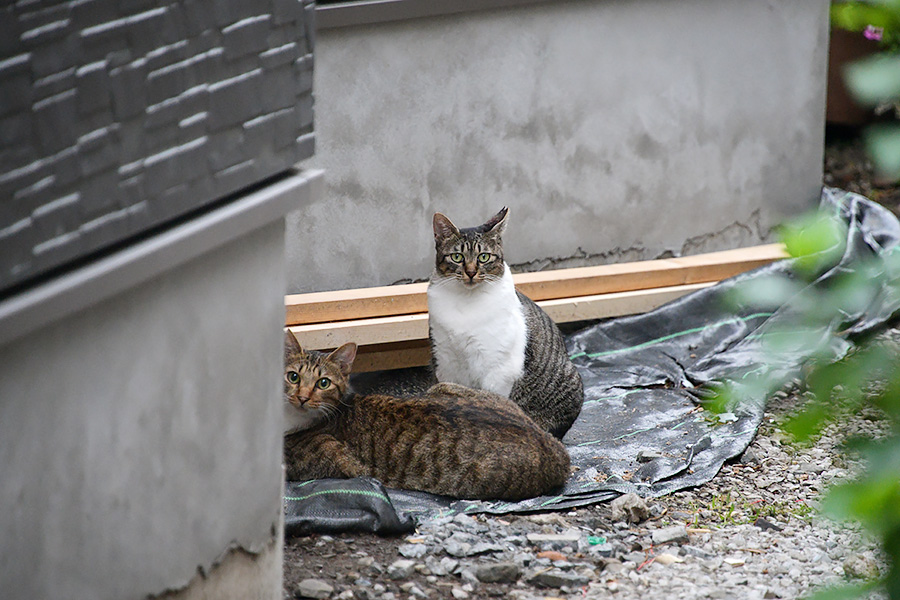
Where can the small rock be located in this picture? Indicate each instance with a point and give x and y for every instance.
(734, 562)
(767, 525)
(413, 550)
(459, 593)
(464, 520)
(676, 534)
(442, 567)
(401, 569)
(648, 455)
(313, 588)
(667, 559)
(457, 548)
(566, 538)
(558, 579)
(468, 575)
(695, 551)
(484, 548)
(750, 457)
(502, 572)
(552, 555)
(604, 550)
(859, 566)
(630, 508)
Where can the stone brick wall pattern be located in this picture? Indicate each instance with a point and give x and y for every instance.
(117, 116)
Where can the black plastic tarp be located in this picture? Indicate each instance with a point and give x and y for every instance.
(643, 428)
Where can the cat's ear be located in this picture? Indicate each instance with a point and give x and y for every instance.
(344, 357)
(291, 345)
(443, 227)
(496, 225)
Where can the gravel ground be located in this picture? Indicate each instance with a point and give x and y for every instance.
(751, 532)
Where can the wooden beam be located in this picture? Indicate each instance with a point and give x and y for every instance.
(361, 303)
(385, 301)
(402, 341)
(617, 304)
(399, 355)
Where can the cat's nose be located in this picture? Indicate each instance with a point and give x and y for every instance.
(301, 400)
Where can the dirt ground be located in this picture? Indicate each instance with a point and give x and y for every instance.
(343, 560)
(847, 167)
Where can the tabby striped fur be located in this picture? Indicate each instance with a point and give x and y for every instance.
(451, 440)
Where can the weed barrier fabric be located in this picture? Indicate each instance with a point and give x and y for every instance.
(643, 427)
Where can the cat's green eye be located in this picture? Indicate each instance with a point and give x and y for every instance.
(323, 383)
(292, 376)
(484, 257)
(456, 257)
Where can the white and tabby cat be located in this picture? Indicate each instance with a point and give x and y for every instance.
(484, 334)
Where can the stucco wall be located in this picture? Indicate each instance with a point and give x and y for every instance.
(140, 438)
(614, 129)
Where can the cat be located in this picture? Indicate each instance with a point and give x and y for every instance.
(452, 440)
(485, 334)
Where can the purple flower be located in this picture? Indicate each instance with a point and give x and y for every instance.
(873, 33)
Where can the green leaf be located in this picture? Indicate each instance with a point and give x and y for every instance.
(815, 241)
(874, 79)
(844, 592)
(883, 145)
(809, 421)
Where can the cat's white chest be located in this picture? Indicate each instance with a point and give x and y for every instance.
(297, 419)
(478, 334)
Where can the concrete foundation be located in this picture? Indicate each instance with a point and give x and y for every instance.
(140, 420)
(613, 129)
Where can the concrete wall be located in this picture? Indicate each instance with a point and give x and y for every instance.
(614, 129)
(141, 436)
(140, 415)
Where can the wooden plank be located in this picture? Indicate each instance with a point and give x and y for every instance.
(322, 307)
(319, 336)
(361, 303)
(414, 328)
(384, 357)
(644, 275)
(617, 304)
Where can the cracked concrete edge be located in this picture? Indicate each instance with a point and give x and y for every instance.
(239, 573)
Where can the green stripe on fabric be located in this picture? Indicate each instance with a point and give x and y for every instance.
(352, 492)
(666, 338)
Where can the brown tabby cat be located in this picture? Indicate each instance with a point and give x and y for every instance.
(452, 440)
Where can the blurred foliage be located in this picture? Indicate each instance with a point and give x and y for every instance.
(875, 81)
(867, 375)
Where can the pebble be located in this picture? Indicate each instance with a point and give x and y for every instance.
(313, 588)
(629, 508)
(557, 579)
(401, 569)
(670, 535)
(502, 572)
(859, 566)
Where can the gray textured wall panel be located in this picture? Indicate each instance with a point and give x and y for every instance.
(133, 113)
